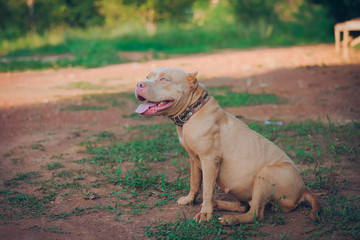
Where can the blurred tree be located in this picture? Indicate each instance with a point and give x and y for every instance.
(13, 18)
(150, 12)
(115, 11)
(341, 10)
(82, 13)
(18, 17)
(248, 11)
(300, 18)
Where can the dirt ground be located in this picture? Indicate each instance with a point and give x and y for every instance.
(317, 83)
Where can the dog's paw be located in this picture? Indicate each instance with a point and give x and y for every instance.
(185, 200)
(228, 220)
(203, 216)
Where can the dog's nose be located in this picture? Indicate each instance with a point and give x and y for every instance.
(141, 84)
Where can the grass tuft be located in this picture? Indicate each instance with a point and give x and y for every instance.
(54, 165)
(83, 108)
(159, 143)
(185, 228)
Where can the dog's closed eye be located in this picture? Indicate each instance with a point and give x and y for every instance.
(164, 79)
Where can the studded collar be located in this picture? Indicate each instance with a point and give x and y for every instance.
(191, 109)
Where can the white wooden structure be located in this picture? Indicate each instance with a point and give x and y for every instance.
(346, 27)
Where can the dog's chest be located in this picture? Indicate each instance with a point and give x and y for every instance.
(191, 153)
(186, 146)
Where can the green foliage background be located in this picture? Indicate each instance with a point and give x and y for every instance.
(93, 32)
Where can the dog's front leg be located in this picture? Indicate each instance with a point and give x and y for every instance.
(210, 169)
(195, 184)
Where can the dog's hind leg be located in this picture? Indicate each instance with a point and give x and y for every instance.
(262, 193)
(230, 206)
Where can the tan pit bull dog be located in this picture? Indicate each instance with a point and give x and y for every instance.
(223, 151)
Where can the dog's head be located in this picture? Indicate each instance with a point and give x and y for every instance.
(165, 91)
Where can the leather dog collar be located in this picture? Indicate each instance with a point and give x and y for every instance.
(191, 109)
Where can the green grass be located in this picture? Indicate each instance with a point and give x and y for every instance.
(158, 143)
(190, 229)
(135, 116)
(114, 99)
(226, 98)
(76, 212)
(16, 205)
(83, 108)
(104, 100)
(52, 229)
(25, 177)
(344, 210)
(84, 86)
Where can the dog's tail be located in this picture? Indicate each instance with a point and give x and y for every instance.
(310, 198)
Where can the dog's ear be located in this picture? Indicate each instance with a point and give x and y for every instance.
(191, 78)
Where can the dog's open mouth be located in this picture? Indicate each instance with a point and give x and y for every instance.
(150, 108)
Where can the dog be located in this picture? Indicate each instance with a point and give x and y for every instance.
(223, 150)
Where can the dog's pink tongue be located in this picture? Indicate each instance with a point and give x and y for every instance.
(144, 107)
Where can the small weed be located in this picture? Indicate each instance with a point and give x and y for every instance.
(35, 228)
(105, 134)
(98, 138)
(59, 156)
(66, 195)
(324, 178)
(55, 229)
(54, 165)
(8, 154)
(305, 157)
(57, 186)
(342, 150)
(38, 146)
(25, 177)
(77, 212)
(63, 174)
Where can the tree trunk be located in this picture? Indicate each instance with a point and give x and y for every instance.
(149, 20)
(30, 4)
